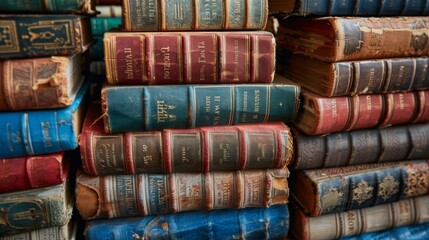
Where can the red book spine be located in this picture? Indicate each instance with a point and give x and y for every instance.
(235, 59)
(24, 173)
(166, 59)
(423, 107)
(262, 61)
(367, 111)
(400, 108)
(334, 114)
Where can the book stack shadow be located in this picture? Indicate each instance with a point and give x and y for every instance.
(362, 135)
(43, 98)
(188, 138)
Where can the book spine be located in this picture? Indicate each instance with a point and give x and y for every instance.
(312, 7)
(401, 108)
(35, 209)
(371, 188)
(52, 6)
(39, 132)
(183, 15)
(100, 25)
(367, 111)
(250, 223)
(355, 222)
(146, 194)
(391, 7)
(421, 80)
(341, 8)
(189, 150)
(364, 32)
(37, 83)
(413, 7)
(369, 77)
(367, 7)
(60, 232)
(413, 232)
(23, 173)
(175, 58)
(206, 106)
(400, 75)
(109, 10)
(422, 114)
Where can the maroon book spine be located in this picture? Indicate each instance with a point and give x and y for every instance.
(24, 173)
(423, 107)
(189, 57)
(400, 108)
(367, 111)
(223, 148)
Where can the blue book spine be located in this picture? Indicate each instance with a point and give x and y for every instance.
(40, 131)
(413, 7)
(391, 7)
(312, 7)
(75, 6)
(425, 10)
(140, 108)
(250, 223)
(341, 7)
(413, 232)
(367, 7)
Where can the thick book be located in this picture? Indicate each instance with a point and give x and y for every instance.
(350, 7)
(48, 6)
(36, 83)
(332, 190)
(189, 57)
(44, 35)
(146, 194)
(355, 222)
(410, 232)
(396, 143)
(249, 223)
(352, 38)
(322, 115)
(184, 15)
(36, 208)
(43, 131)
(22, 173)
(356, 77)
(222, 148)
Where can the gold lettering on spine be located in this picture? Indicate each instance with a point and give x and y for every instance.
(210, 7)
(237, 54)
(47, 139)
(236, 10)
(202, 59)
(257, 104)
(166, 61)
(162, 114)
(129, 63)
(190, 191)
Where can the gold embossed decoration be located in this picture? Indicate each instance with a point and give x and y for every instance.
(362, 192)
(331, 199)
(417, 181)
(388, 187)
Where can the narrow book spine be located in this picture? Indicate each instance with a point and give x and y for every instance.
(204, 105)
(145, 194)
(183, 15)
(189, 57)
(250, 223)
(31, 172)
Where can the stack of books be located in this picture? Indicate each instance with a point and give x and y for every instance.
(362, 133)
(42, 103)
(187, 139)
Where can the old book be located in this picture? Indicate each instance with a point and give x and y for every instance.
(397, 143)
(351, 38)
(146, 194)
(249, 223)
(22, 173)
(351, 7)
(36, 208)
(331, 190)
(354, 222)
(356, 77)
(100, 25)
(42, 131)
(222, 148)
(48, 6)
(109, 10)
(35, 83)
(184, 15)
(44, 35)
(322, 115)
(409, 232)
(189, 57)
(65, 232)
(138, 108)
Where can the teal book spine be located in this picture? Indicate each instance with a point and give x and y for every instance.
(250, 223)
(355, 187)
(34, 209)
(183, 15)
(341, 7)
(48, 6)
(42, 131)
(100, 25)
(391, 7)
(43, 35)
(412, 232)
(138, 108)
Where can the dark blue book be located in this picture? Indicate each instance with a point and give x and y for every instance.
(250, 223)
(42, 131)
(413, 232)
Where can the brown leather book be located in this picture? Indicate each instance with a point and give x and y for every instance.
(351, 38)
(350, 223)
(145, 194)
(322, 115)
(35, 83)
